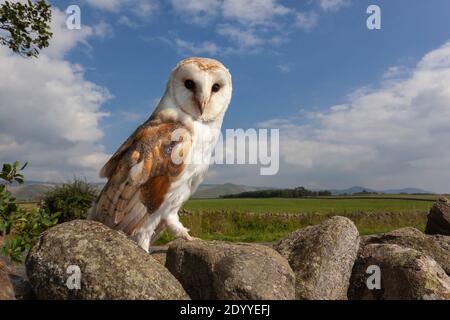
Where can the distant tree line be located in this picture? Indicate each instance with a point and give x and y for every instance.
(365, 193)
(299, 192)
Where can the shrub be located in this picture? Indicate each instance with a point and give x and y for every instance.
(8, 206)
(21, 228)
(26, 225)
(72, 200)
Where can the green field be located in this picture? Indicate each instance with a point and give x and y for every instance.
(313, 205)
(266, 220)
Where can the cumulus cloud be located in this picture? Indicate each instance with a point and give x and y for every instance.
(198, 11)
(251, 12)
(244, 38)
(256, 24)
(393, 136)
(254, 11)
(333, 5)
(243, 41)
(307, 20)
(205, 47)
(49, 113)
(283, 68)
(140, 8)
(103, 30)
(249, 25)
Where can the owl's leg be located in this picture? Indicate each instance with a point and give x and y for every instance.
(175, 226)
(158, 232)
(144, 236)
(143, 240)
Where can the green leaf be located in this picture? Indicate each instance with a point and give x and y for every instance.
(25, 26)
(6, 168)
(24, 166)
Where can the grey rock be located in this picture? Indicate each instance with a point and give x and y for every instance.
(405, 274)
(444, 242)
(220, 270)
(18, 279)
(413, 238)
(439, 218)
(322, 257)
(111, 266)
(160, 256)
(6, 287)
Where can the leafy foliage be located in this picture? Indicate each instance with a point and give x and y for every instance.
(8, 206)
(27, 226)
(27, 26)
(20, 227)
(72, 200)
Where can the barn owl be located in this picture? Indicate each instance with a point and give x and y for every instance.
(153, 173)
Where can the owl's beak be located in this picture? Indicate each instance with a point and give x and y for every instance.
(202, 102)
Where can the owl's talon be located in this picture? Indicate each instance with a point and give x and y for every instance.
(190, 238)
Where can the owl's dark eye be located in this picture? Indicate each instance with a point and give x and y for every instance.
(215, 87)
(189, 84)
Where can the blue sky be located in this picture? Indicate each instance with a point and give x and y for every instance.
(291, 62)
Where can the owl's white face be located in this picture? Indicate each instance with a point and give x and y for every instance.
(202, 88)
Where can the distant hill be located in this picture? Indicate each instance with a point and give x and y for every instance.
(352, 190)
(408, 191)
(30, 192)
(358, 189)
(34, 190)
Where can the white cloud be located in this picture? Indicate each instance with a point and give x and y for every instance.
(128, 22)
(248, 13)
(206, 47)
(254, 11)
(49, 113)
(283, 68)
(110, 5)
(253, 25)
(63, 39)
(140, 8)
(198, 11)
(244, 38)
(333, 5)
(394, 136)
(103, 30)
(396, 72)
(307, 20)
(133, 116)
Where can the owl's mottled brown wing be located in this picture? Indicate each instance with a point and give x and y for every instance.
(140, 174)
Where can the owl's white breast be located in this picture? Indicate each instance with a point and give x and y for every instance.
(204, 139)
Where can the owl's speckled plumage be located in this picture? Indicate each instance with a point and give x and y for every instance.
(145, 187)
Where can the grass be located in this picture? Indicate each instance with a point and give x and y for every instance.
(28, 205)
(250, 227)
(267, 220)
(310, 205)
